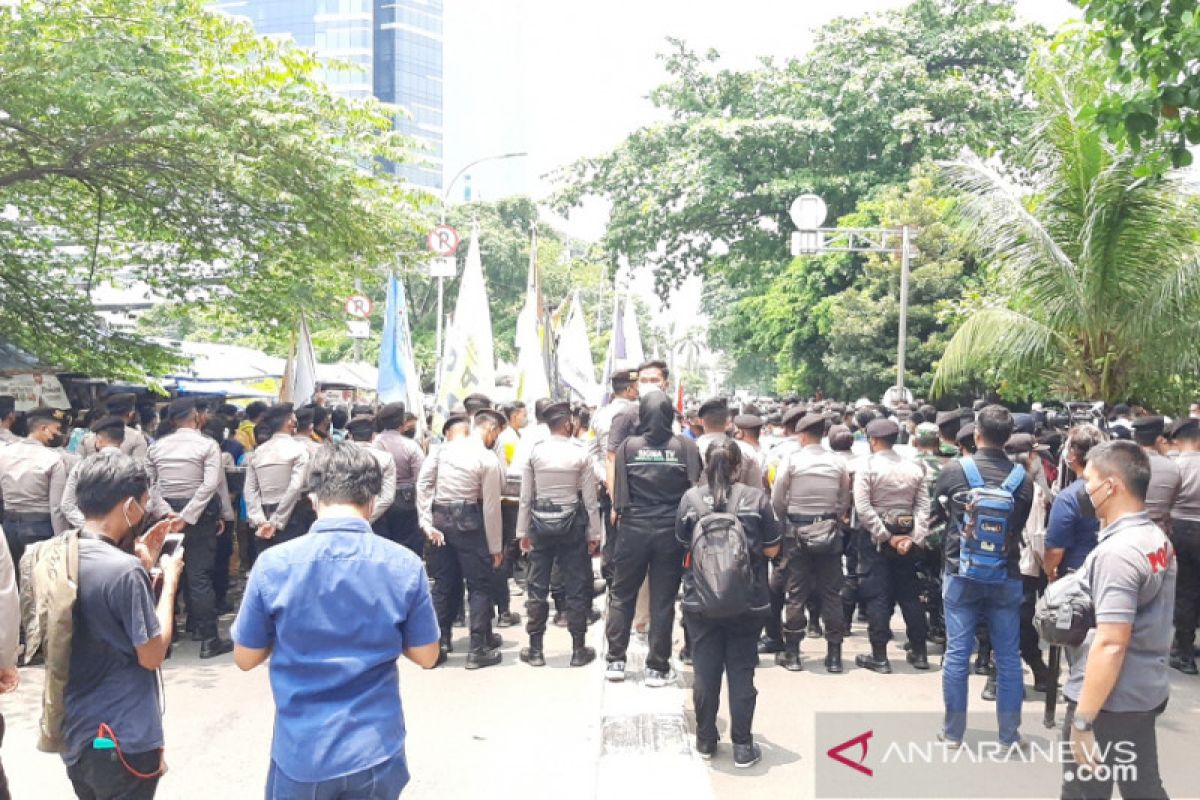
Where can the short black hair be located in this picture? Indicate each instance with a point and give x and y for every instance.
(108, 479)
(113, 434)
(339, 418)
(256, 410)
(510, 410)
(344, 473)
(476, 402)
(657, 364)
(1125, 460)
(994, 425)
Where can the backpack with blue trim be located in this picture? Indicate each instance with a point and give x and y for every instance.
(986, 524)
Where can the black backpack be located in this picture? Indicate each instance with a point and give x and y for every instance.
(721, 577)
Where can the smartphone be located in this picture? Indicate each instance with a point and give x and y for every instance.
(171, 543)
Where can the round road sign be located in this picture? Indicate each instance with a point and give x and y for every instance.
(443, 240)
(808, 212)
(360, 306)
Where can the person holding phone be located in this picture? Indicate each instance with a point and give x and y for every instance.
(121, 634)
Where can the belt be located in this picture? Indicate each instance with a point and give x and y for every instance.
(458, 504)
(26, 516)
(809, 519)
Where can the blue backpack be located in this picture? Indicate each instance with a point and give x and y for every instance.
(985, 525)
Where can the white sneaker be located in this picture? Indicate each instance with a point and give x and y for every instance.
(656, 679)
(615, 671)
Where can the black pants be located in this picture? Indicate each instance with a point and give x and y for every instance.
(1136, 728)
(570, 554)
(4, 793)
(200, 555)
(100, 775)
(1031, 652)
(20, 532)
(776, 585)
(850, 594)
(1185, 536)
(464, 558)
(402, 528)
(886, 579)
(642, 549)
(500, 576)
(301, 519)
(608, 549)
(730, 648)
(807, 577)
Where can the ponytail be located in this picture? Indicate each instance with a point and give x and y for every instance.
(721, 464)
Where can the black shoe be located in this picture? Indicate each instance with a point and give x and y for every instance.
(685, 657)
(443, 654)
(216, 646)
(746, 755)
(560, 619)
(833, 658)
(593, 615)
(918, 659)
(223, 607)
(706, 750)
(532, 657)
(1041, 678)
(478, 659)
(494, 641)
(766, 645)
(989, 690)
(507, 619)
(790, 660)
(197, 636)
(1184, 664)
(460, 621)
(881, 665)
(983, 663)
(582, 656)
(937, 637)
(814, 630)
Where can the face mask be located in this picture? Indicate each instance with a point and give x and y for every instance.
(135, 531)
(57, 440)
(646, 388)
(410, 433)
(1087, 506)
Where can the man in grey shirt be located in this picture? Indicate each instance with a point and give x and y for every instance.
(1118, 684)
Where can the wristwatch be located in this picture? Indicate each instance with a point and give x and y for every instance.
(1081, 724)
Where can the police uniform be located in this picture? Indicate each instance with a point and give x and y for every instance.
(400, 519)
(304, 421)
(185, 470)
(1185, 536)
(32, 479)
(135, 445)
(559, 515)
(750, 471)
(8, 408)
(890, 499)
(1164, 473)
(812, 486)
(458, 495)
(276, 480)
(70, 504)
(772, 641)
(361, 429)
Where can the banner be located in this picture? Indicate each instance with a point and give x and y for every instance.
(398, 377)
(300, 373)
(633, 336)
(533, 382)
(575, 370)
(469, 361)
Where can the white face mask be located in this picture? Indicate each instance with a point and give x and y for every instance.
(646, 388)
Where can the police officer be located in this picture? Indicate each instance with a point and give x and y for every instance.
(458, 499)
(134, 443)
(304, 429)
(892, 505)
(558, 523)
(8, 417)
(185, 468)
(407, 458)
(361, 431)
(714, 415)
(108, 433)
(33, 476)
(1185, 535)
(1164, 472)
(812, 488)
(276, 478)
(772, 640)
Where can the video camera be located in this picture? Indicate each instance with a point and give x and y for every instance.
(1064, 416)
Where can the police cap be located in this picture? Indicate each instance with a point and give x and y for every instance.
(1023, 443)
(748, 421)
(1120, 432)
(8, 404)
(1149, 426)
(391, 416)
(181, 408)
(791, 415)
(1184, 426)
(882, 428)
(120, 403)
(966, 433)
(623, 377)
(45, 412)
(811, 422)
(715, 405)
(948, 417)
(491, 415)
(107, 424)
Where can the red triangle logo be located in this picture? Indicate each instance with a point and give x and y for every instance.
(835, 752)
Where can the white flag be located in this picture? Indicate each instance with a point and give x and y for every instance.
(469, 364)
(633, 337)
(532, 382)
(575, 369)
(300, 374)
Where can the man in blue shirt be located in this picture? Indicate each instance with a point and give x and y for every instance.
(334, 610)
(1071, 535)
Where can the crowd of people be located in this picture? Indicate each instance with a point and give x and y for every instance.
(765, 523)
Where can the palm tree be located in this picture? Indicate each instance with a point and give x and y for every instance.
(1096, 269)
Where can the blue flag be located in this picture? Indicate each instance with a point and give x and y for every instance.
(398, 380)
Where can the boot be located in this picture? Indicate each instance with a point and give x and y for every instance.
(507, 619)
(533, 655)
(215, 646)
(833, 657)
(443, 654)
(989, 689)
(789, 659)
(494, 641)
(877, 661)
(769, 645)
(1183, 658)
(983, 660)
(581, 654)
(478, 659)
(814, 629)
(917, 656)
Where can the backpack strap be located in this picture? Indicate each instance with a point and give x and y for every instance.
(1014, 480)
(971, 472)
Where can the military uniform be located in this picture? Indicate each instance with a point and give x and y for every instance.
(458, 495)
(890, 499)
(401, 519)
(559, 515)
(32, 479)
(812, 488)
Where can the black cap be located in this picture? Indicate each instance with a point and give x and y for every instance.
(556, 412)
(713, 405)
(748, 421)
(120, 403)
(947, 417)
(278, 413)
(623, 377)
(390, 416)
(451, 421)
(810, 422)
(965, 433)
(1120, 432)
(882, 428)
(1150, 426)
(45, 412)
(363, 423)
(1023, 443)
(1184, 425)
(492, 415)
(8, 404)
(181, 408)
(1023, 423)
(109, 423)
(792, 414)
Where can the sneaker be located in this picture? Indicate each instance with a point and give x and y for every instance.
(746, 755)
(494, 641)
(706, 750)
(953, 744)
(483, 658)
(615, 671)
(656, 678)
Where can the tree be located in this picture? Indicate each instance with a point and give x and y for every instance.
(1095, 271)
(160, 142)
(1152, 47)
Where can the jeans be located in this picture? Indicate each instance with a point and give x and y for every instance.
(642, 549)
(1134, 728)
(966, 602)
(100, 775)
(728, 647)
(384, 781)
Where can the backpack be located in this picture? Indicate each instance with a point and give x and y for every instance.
(56, 588)
(1065, 613)
(718, 561)
(986, 524)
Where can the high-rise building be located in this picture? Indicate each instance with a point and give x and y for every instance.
(395, 47)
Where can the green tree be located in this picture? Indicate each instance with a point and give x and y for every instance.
(160, 142)
(1095, 285)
